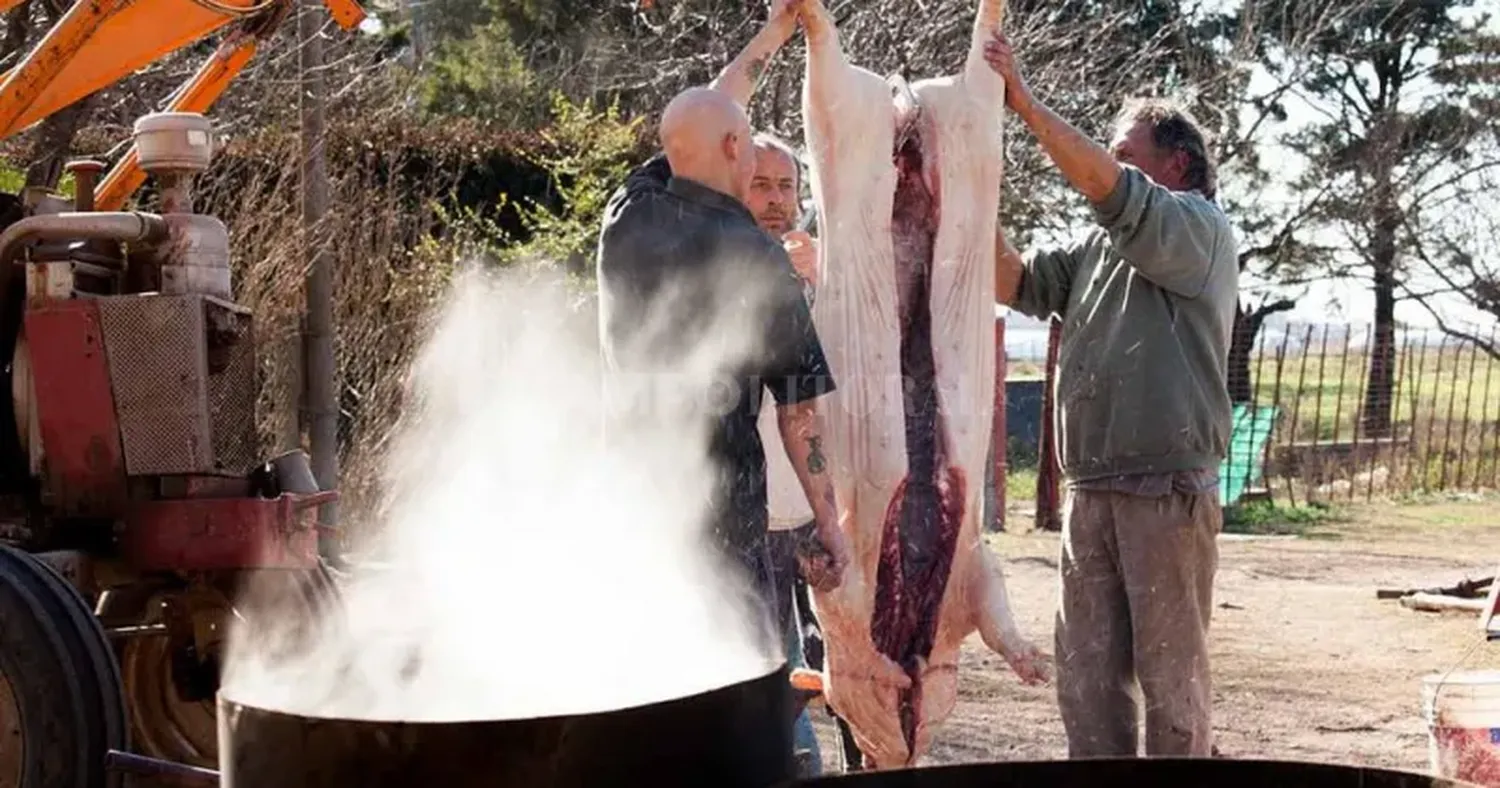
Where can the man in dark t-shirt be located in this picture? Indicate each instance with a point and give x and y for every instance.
(683, 270)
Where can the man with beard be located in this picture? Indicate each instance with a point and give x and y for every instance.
(774, 201)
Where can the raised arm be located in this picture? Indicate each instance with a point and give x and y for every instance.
(1084, 163)
(1168, 236)
(1008, 269)
(740, 77)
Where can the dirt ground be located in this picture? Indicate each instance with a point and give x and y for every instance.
(1308, 664)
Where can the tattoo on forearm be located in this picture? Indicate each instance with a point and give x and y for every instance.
(815, 461)
(756, 67)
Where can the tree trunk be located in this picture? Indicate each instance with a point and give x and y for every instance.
(52, 142)
(16, 27)
(1241, 343)
(414, 13)
(1381, 385)
(1247, 326)
(996, 470)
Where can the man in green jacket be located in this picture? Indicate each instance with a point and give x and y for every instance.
(1147, 301)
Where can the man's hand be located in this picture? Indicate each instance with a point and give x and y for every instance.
(1002, 58)
(783, 14)
(740, 77)
(816, 21)
(822, 555)
(803, 249)
(1086, 165)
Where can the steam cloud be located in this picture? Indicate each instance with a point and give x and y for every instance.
(525, 566)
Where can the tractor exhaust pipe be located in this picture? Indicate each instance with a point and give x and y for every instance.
(123, 227)
(85, 181)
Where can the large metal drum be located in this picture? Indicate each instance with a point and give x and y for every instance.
(1103, 773)
(738, 736)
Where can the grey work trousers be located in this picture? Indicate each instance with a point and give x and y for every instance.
(1137, 576)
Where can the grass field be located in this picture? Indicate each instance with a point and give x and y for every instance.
(1445, 423)
(1326, 393)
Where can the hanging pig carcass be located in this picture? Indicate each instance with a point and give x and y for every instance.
(906, 179)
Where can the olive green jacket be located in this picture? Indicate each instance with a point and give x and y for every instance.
(1147, 301)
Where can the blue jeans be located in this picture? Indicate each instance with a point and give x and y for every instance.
(804, 740)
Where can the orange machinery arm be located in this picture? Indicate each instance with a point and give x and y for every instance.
(200, 92)
(98, 42)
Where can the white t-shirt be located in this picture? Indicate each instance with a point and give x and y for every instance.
(785, 501)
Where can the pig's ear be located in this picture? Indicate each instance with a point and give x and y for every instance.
(981, 80)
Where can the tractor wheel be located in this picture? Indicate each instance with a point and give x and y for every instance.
(61, 708)
(164, 723)
(167, 724)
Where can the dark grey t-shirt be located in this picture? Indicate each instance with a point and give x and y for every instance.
(678, 263)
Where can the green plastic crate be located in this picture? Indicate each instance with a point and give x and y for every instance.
(1245, 463)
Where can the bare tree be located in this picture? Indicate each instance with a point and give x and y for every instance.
(1458, 259)
(1402, 90)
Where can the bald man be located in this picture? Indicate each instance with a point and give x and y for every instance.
(680, 253)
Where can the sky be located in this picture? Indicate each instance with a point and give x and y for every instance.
(1351, 301)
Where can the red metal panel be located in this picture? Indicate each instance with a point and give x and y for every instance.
(84, 465)
(207, 534)
(1048, 495)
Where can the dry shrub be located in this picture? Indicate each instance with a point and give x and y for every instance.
(1081, 57)
(393, 255)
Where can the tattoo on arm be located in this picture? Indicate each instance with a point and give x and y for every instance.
(815, 460)
(756, 67)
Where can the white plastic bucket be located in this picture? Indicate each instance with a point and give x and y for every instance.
(1462, 710)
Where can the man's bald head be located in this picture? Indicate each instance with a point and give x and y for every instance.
(706, 136)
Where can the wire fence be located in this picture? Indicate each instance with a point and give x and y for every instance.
(1338, 413)
(1330, 413)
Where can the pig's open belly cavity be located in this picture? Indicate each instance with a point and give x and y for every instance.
(922, 518)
